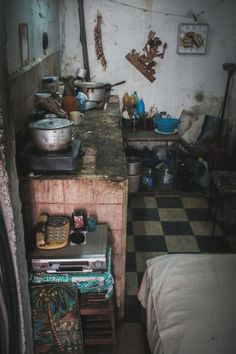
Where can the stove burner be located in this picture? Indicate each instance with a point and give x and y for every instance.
(56, 161)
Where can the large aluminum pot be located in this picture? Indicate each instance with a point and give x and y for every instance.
(53, 134)
(95, 91)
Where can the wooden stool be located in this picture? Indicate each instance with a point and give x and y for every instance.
(98, 319)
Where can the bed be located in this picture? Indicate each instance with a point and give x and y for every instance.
(190, 301)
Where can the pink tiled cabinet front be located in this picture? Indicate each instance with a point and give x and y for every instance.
(104, 198)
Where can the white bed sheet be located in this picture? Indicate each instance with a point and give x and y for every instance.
(191, 303)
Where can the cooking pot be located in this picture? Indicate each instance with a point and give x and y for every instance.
(133, 165)
(95, 91)
(53, 134)
(81, 73)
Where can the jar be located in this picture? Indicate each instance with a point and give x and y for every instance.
(69, 104)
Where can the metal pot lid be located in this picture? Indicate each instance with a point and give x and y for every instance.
(89, 85)
(51, 123)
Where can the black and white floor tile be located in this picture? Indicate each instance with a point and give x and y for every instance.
(161, 225)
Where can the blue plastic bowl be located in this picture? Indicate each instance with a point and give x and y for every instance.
(166, 125)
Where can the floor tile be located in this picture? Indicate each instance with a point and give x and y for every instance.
(198, 214)
(131, 283)
(181, 244)
(218, 244)
(176, 228)
(150, 244)
(130, 338)
(130, 262)
(194, 202)
(169, 202)
(140, 278)
(129, 228)
(147, 228)
(129, 215)
(132, 309)
(142, 257)
(130, 243)
(145, 214)
(204, 228)
(143, 202)
(172, 214)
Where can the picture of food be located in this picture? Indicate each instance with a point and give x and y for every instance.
(192, 38)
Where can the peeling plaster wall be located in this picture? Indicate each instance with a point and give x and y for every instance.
(180, 80)
(71, 50)
(41, 16)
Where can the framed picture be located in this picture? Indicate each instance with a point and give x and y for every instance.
(24, 43)
(192, 38)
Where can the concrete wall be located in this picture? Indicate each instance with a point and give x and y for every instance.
(24, 84)
(193, 82)
(41, 16)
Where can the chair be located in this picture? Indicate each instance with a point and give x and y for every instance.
(222, 197)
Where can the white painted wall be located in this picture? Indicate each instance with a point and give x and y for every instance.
(179, 78)
(41, 16)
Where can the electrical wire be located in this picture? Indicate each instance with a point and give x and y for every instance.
(210, 7)
(169, 13)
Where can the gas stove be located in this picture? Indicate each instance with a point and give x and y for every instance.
(58, 161)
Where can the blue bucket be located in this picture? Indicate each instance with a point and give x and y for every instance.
(166, 125)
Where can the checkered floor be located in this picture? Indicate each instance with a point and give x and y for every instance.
(161, 225)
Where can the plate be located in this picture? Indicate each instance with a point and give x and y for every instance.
(165, 133)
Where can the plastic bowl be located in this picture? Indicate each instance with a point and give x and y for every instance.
(166, 125)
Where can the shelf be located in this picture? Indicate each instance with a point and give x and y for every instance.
(149, 135)
(98, 319)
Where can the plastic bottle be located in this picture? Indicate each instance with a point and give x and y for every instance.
(141, 108)
(148, 180)
(168, 174)
(133, 102)
(126, 103)
(203, 180)
(136, 98)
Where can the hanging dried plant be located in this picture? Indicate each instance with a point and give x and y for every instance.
(98, 41)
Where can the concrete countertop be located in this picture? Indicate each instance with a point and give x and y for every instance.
(101, 139)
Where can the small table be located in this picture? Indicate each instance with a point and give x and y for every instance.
(152, 136)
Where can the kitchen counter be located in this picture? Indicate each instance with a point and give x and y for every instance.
(100, 187)
(101, 137)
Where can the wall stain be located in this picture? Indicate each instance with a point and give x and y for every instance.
(199, 97)
(148, 4)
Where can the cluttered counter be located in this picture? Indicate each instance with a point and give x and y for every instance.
(100, 186)
(101, 137)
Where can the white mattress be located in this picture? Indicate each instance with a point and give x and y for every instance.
(191, 303)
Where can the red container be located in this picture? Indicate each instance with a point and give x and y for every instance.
(69, 104)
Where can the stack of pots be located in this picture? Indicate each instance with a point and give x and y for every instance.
(134, 164)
